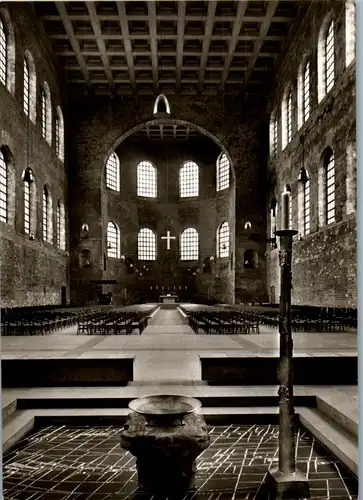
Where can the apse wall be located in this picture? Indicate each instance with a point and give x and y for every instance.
(33, 271)
(324, 255)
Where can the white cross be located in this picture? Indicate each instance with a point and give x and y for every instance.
(168, 238)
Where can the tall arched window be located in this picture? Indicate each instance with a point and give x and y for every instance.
(59, 134)
(146, 179)
(329, 184)
(3, 54)
(29, 87)
(29, 202)
(286, 114)
(47, 216)
(288, 188)
(326, 58)
(273, 218)
(273, 135)
(350, 22)
(46, 103)
(113, 172)
(303, 92)
(223, 167)
(61, 226)
(189, 179)
(304, 202)
(3, 188)
(223, 240)
(113, 241)
(146, 244)
(7, 50)
(189, 244)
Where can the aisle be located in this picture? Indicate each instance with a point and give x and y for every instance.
(168, 321)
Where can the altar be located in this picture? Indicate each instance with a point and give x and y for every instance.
(168, 299)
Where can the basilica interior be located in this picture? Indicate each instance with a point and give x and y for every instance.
(178, 217)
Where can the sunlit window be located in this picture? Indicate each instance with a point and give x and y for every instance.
(46, 106)
(273, 135)
(146, 244)
(189, 179)
(289, 117)
(223, 240)
(223, 168)
(329, 58)
(350, 22)
(44, 114)
(113, 172)
(26, 88)
(61, 236)
(3, 54)
(329, 165)
(47, 216)
(305, 200)
(3, 189)
(189, 244)
(59, 134)
(28, 180)
(306, 92)
(113, 241)
(146, 179)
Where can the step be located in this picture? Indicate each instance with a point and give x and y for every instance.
(15, 427)
(333, 437)
(332, 408)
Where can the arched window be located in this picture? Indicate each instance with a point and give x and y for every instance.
(223, 167)
(273, 135)
(303, 92)
(326, 58)
(288, 188)
(189, 179)
(189, 244)
(7, 51)
(113, 172)
(3, 188)
(286, 113)
(223, 240)
(59, 134)
(350, 22)
(29, 202)
(304, 202)
(351, 177)
(146, 244)
(329, 185)
(47, 216)
(46, 102)
(61, 226)
(146, 179)
(29, 87)
(3, 54)
(113, 241)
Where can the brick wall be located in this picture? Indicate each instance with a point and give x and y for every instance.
(324, 261)
(32, 272)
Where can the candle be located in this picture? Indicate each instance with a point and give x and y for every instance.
(285, 208)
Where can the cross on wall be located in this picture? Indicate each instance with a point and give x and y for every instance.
(168, 238)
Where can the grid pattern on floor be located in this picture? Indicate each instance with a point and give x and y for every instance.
(77, 463)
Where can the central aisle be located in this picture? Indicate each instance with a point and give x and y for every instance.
(168, 321)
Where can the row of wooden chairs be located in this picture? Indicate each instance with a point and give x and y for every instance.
(222, 322)
(115, 322)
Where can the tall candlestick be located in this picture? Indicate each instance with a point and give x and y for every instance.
(285, 209)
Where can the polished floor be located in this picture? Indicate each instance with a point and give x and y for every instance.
(73, 463)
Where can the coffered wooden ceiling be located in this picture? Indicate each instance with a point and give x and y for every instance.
(171, 47)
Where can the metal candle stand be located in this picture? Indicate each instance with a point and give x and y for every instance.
(285, 481)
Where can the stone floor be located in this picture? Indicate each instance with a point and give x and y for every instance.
(88, 463)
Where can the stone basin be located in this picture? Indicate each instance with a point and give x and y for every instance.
(165, 433)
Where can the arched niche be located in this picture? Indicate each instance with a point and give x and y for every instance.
(84, 257)
(129, 265)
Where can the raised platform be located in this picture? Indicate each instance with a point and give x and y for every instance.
(242, 370)
(67, 372)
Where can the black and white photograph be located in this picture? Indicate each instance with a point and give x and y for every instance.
(178, 249)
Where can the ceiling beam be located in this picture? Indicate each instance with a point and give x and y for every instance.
(212, 5)
(180, 43)
(100, 42)
(167, 17)
(153, 43)
(142, 36)
(265, 25)
(242, 6)
(73, 41)
(127, 44)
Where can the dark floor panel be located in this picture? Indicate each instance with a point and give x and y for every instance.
(88, 463)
